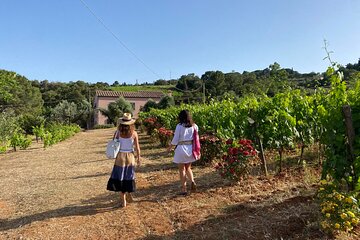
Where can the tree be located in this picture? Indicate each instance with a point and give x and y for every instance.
(214, 83)
(70, 112)
(189, 82)
(274, 67)
(355, 66)
(166, 102)
(279, 80)
(161, 82)
(78, 92)
(17, 93)
(8, 125)
(52, 92)
(173, 81)
(190, 85)
(116, 109)
(84, 114)
(64, 112)
(115, 84)
(101, 85)
(148, 105)
(29, 121)
(7, 82)
(234, 82)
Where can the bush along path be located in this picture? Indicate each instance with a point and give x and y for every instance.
(60, 193)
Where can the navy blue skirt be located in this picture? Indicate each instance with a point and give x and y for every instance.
(122, 177)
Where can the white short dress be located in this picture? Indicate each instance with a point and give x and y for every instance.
(183, 152)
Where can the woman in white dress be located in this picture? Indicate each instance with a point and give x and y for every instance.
(183, 138)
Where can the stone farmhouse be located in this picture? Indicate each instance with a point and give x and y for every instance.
(137, 99)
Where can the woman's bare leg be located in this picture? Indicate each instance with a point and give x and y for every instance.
(129, 198)
(123, 199)
(182, 174)
(190, 175)
(189, 172)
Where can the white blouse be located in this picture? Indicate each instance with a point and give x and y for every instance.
(183, 153)
(126, 144)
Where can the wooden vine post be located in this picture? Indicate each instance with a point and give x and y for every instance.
(259, 143)
(350, 134)
(262, 156)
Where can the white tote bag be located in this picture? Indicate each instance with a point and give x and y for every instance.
(112, 149)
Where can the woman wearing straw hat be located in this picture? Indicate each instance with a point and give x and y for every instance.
(122, 177)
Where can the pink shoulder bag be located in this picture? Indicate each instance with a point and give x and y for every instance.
(196, 145)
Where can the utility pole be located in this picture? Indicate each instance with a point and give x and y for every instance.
(89, 111)
(203, 91)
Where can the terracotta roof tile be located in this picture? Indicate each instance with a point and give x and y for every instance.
(138, 94)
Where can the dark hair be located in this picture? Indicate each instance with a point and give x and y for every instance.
(126, 130)
(185, 118)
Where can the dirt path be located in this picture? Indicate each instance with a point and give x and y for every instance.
(60, 193)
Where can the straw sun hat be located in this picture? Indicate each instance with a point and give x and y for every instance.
(126, 119)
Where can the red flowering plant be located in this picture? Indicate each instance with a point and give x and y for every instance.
(235, 161)
(150, 124)
(165, 136)
(211, 148)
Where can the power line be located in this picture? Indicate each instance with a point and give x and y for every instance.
(187, 91)
(116, 37)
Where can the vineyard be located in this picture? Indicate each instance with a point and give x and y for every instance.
(60, 193)
(289, 121)
(222, 120)
(288, 165)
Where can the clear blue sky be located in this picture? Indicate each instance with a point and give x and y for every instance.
(62, 40)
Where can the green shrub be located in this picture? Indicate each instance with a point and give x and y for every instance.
(20, 140)
(47, 138)
(4, 146)
(29, 121)
(211, 148)
(38, 132)
(55, 133)
(103, 126)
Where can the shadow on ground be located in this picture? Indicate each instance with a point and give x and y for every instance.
(102, 203)
(91, 175)
(293, 218)
(163, 192)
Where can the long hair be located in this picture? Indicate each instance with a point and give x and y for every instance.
(185, 118)
(126, 130)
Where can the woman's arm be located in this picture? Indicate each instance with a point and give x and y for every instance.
(175, 139)
(137, 148)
